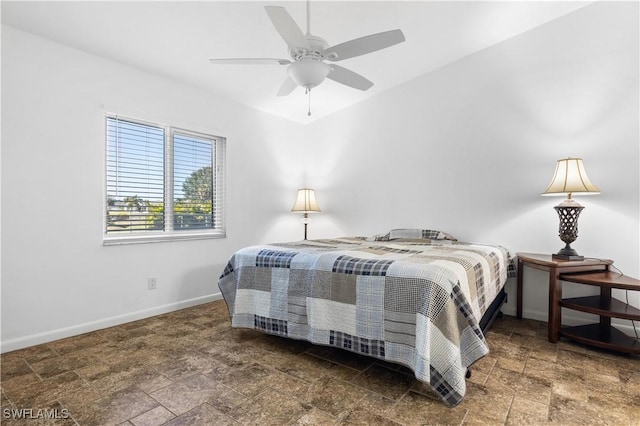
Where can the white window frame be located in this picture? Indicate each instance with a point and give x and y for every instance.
(169, 234)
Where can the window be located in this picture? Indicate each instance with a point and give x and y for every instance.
(162, 183)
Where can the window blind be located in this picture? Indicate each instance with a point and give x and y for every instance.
(135, 177)
(193, 182)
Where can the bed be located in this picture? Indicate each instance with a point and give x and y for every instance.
(415, 297)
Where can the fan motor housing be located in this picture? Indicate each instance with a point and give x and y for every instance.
(317, 47)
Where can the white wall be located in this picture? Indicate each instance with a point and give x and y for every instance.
(468, 148)
(57, 277)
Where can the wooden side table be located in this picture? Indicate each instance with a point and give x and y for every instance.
(555, 267)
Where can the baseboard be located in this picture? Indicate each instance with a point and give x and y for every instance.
(50, 336)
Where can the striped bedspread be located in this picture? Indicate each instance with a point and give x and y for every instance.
(413, 301)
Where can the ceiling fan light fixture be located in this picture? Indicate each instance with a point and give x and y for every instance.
(308, 53)
(308, 73)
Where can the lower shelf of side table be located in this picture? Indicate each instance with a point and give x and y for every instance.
(603, 336)
(604, 307)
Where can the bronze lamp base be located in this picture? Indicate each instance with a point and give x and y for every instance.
(568, 211)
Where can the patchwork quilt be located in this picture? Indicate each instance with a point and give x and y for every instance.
(412, 299)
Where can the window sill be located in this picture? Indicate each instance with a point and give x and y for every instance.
(161, 238)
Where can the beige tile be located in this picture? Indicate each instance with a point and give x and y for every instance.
(115, 408)
(178, 329)
(484, 364)
(536, 388)
(596, 364)
(197, 361)
(478, 419)
(375, 403)
(202, 415)
(250, 380)
(81, 397)
(286, 384)
(570, 390)
(493, 394)
(539, 348)
(76, 343)
(510, 356)
(315, 417)
(540, 368)
(218, 370)
(568, 345)
(304, 367)
(569, 382)
(630, 378)
(185, 395)
(37, 353)
(424, 389)
(43, 392)
(568, 372)
(603, 383)
(105, 378)
(417, 409)
(569, 411)
(269, 408)
(123, 333)
(618, 402)
(497, 339)
(4, 400)
(19, 381)
(544, 353)
(233, 355)
(333, 396)
(150, 380)
(362, 417)
(53, 366)
(154, 417)
(525, 412)
(389, 383)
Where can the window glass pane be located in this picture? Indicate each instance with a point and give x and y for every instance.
(193, 182)
(135, 177)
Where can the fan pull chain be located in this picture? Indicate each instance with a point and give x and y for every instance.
(308, 92)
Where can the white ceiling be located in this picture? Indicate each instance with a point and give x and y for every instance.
(175, 39)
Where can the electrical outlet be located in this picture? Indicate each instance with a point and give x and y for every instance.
(151, 283)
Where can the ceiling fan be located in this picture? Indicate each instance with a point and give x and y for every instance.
(307, 66)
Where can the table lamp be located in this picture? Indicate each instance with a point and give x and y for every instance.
(305, 204)
(570, 178)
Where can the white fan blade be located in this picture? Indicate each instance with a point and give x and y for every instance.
(363, 45)
(287, 27)
(257, 61)
(349, 78)
(287, 87)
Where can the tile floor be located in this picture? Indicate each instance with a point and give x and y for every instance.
(190, 368)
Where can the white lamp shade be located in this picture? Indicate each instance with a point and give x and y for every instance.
(308, 72)
(570, 177)
(306, 201)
